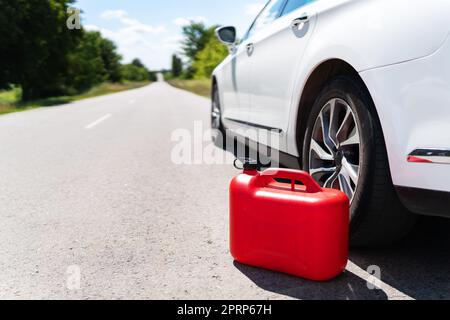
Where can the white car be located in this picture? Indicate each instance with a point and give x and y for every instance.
(358, 94)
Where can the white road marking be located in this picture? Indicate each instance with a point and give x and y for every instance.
(391, 292)
(131, 101)
(97, 122)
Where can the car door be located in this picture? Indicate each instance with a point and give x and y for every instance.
(277, 53)
(235, 91)
(238, 89)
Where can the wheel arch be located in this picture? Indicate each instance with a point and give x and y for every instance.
(317, 80)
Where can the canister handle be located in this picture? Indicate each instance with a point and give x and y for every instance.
(293, 175)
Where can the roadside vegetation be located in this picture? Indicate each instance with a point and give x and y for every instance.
(43, 62)
(201, 87)
(10, 101)
(201, 53)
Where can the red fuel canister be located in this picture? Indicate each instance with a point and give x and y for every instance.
(301, 230)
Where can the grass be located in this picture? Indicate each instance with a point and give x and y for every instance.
(200, 87)
(10, 100)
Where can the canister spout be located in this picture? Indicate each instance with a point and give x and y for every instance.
(250, 166)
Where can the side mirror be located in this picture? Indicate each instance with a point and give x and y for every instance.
(226, 35)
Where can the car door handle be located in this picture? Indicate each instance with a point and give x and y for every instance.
(302, 19)
(250, 49)
(300, 25)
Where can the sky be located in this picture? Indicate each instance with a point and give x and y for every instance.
(151, 29)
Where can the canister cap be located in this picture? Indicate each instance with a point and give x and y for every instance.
(246, 164)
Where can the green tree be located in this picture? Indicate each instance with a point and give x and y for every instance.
(111, 60)
(138, 63)
(209, 58)
(35, 43)
(196, 36)
(131, 72)
(136, 71)
(86, 64)
(177, 66)
(152, 76)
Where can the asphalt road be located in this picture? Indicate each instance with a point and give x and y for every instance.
(88, 192)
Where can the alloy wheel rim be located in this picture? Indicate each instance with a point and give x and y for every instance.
(216, 114)
(334, 156)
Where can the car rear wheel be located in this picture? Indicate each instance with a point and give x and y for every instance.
(218, 130)
(344, 149)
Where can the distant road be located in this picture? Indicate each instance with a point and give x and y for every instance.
(90, 187)
(160, 77)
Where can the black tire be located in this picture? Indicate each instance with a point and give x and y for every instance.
(219, 132)
(377, 215)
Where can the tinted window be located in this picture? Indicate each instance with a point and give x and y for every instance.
(294, 4)
(271, 12)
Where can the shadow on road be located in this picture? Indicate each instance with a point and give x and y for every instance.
(419, 266)
(346, 287)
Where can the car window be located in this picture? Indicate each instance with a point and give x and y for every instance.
(270, 12)
(294, 5)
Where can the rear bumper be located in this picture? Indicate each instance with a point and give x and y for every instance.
(426, 202)
(413, 104)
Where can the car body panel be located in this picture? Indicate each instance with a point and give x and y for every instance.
(234, 85)
(274, 69)
(413, 100)
(401, 51)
